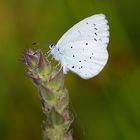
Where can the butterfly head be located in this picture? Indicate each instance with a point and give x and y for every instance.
(54, 51)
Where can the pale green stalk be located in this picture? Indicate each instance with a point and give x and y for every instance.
(54, 96)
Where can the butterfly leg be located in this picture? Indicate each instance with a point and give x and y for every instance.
(48, 53)
(57, 66)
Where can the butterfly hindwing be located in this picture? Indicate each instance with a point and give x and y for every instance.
(85, 58)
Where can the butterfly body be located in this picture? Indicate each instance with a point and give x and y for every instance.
(83, 48)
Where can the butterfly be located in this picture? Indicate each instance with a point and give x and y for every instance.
(83, 48)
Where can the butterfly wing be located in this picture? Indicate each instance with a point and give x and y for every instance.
(84, 46)
(94, 27)
(85, 58)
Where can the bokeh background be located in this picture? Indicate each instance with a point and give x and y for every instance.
(106, 107)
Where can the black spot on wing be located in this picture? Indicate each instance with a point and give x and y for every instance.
(95, 39)
(81, 67)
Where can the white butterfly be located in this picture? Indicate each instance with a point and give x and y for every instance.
(83, 48)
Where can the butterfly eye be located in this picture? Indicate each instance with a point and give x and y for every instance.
(51, 45)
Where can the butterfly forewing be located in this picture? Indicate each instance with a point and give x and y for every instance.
(94, 27)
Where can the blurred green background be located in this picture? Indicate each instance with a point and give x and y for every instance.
(106, 107)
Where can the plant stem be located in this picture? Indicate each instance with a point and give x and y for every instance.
(54, 96)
